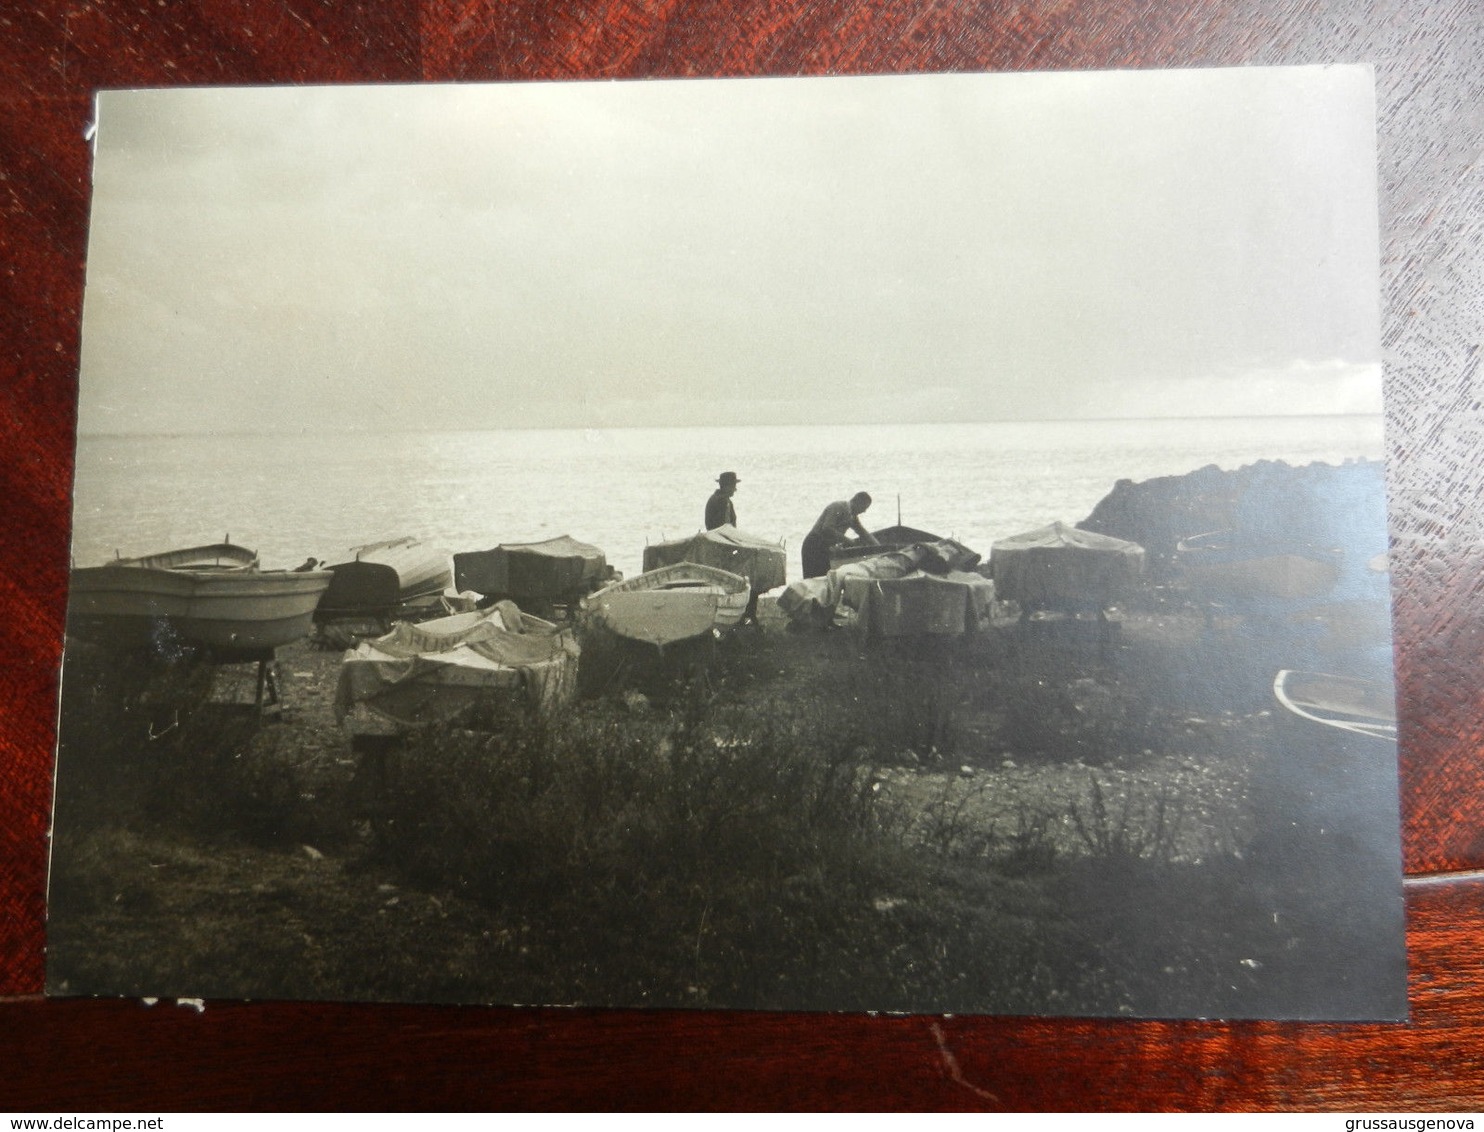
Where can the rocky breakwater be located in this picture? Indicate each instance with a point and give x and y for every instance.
(1339, 507)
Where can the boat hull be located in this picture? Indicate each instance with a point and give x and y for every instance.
(555, 570)
(226, 612)
(382, 576)
(672, 604)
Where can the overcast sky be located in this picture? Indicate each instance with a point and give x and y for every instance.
(928, 248)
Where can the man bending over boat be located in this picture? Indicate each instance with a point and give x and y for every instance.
(833, 524)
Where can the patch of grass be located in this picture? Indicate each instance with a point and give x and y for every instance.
(1140, 829)
(719, 839)
(950, 826)
(541, 804)
(689, 858)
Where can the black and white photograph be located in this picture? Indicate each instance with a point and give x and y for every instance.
(875, 544)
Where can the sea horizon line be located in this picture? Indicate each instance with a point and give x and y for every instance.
(411, 430)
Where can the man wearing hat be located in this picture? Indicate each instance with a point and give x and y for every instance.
(719, 509)
(719, 512)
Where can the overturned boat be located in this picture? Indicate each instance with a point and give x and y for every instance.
(556, 570)
(212, 597)
(671, 604)
(757, 559)
(382, 579)
(442, 670)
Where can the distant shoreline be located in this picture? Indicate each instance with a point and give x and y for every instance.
(578, 428)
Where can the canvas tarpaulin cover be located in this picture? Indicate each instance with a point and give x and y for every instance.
(1061, 567)
(814, 600)
(919, 604)
(555, 568)
(759, 561)
(956, 606)
(435, 671)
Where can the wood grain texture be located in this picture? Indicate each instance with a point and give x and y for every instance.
(1430, 137)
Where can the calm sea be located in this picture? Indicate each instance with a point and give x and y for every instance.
(290, 497)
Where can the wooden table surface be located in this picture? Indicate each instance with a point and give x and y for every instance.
(1429, 61)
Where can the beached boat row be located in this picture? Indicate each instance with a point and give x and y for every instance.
(216, 600)
(392, 600)
(217, 596)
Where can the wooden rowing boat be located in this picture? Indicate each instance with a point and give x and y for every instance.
(887, 539)
(217, 556)
(674, 603)
(214, 598)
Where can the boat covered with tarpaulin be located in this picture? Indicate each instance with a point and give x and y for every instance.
(671, 604)
(555, 570)
(919, 604)
(215, 598)
(760, 561)
(903, 604)
(1063, 568)
(439, 671)
(378, 579)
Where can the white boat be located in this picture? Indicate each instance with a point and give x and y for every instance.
(212, 597)
(215, 556)
(671, 604)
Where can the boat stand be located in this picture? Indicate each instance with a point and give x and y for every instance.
(267, 697)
